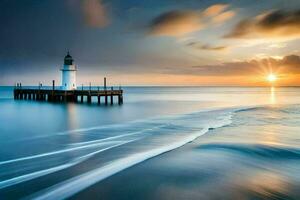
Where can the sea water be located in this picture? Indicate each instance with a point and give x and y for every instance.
(55, 151)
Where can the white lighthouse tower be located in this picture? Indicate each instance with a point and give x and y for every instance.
(68, 70)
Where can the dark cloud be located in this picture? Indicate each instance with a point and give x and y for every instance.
(209, 47)
(276, 23)
(292, 61)
(289, 64)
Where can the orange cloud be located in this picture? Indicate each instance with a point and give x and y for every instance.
(179, 23)
(95, 13)
(223, 17)
(287, 65)
(176, 23)
(215, 9)
(275, 24)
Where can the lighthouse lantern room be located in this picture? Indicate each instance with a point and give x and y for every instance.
(68, 74)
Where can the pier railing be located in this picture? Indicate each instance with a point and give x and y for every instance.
(55, 94)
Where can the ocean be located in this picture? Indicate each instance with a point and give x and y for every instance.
(162, 143)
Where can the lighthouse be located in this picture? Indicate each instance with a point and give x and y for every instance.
(68, 91)
(68, 71)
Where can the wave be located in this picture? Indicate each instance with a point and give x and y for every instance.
(115, 137)
(285, 108)
(256, 150)
(58, 152)
(30, 176)
(80, 182)
(248, 109)
(74, 185)
(129, 144)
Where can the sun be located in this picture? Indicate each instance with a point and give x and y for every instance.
(271, 77)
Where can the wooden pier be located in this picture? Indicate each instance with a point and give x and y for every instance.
(56, 95)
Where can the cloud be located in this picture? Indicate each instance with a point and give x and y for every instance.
(223, 17)
(287, 65)
(209, 47)
(181, 22)
(275, 24)
(95, 13)
(292, 61)
(175, 23)
(215, 9)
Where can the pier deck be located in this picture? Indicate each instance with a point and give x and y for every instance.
(54, 95)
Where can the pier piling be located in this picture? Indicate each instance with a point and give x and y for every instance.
(56, 95)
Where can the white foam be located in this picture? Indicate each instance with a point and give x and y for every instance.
(115, 137)
(58, 152)
(33, 175)
(76, 184)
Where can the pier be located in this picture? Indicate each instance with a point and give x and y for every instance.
(68, 91)
(56, 95)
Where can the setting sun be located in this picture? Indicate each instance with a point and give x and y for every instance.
(271, 77)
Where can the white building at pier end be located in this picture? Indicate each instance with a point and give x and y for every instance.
(68, 70)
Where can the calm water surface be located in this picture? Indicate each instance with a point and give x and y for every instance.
(244, 142)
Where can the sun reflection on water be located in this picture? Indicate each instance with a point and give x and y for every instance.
(72, 119)
(272, 95)
(71, 116)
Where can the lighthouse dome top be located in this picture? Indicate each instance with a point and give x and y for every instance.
(68, 59)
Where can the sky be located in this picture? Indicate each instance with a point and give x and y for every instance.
(151, 42)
